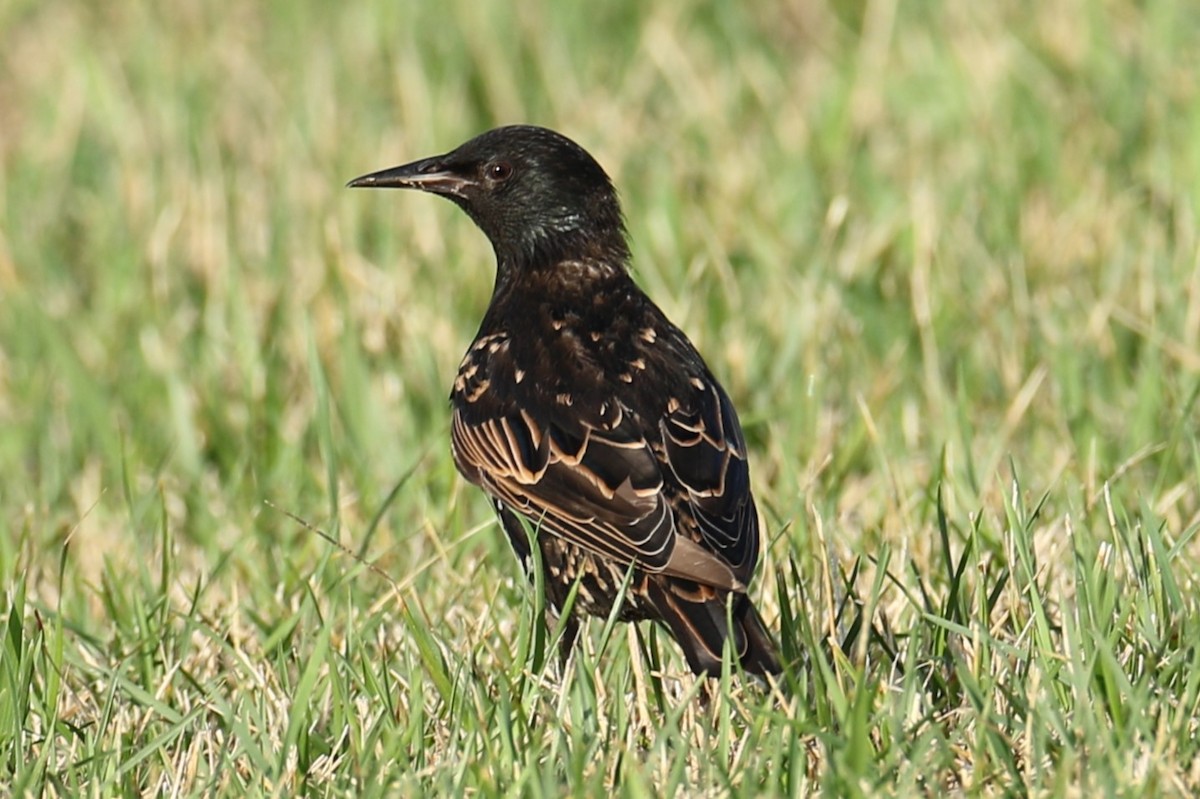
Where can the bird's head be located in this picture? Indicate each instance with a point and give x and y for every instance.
(538, 196)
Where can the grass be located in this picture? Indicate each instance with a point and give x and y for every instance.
(945, 257)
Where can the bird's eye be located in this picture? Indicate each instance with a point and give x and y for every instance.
(499, 170)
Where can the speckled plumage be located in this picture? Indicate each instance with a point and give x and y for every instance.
(582, 408)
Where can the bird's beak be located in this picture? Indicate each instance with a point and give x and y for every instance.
(433, 175)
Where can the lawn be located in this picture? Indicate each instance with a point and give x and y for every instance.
(945, 257)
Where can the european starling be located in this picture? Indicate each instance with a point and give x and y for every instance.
(580, 408)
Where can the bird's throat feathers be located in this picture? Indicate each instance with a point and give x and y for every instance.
(563, 252)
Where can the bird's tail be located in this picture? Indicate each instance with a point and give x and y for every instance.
(701, 626)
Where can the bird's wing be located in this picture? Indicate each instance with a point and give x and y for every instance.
(704, 448)
(599, 484)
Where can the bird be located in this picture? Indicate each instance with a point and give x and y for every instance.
(587, 416)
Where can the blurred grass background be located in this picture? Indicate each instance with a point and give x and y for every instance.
(945, 258)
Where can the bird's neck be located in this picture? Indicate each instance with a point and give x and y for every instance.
(568, 262)
(542, 253)
(574, 278)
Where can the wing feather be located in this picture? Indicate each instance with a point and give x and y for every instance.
(602, 490)
(706, 452)
(666, 490)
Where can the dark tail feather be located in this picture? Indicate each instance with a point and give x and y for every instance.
(760, 655)
(702, 627)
